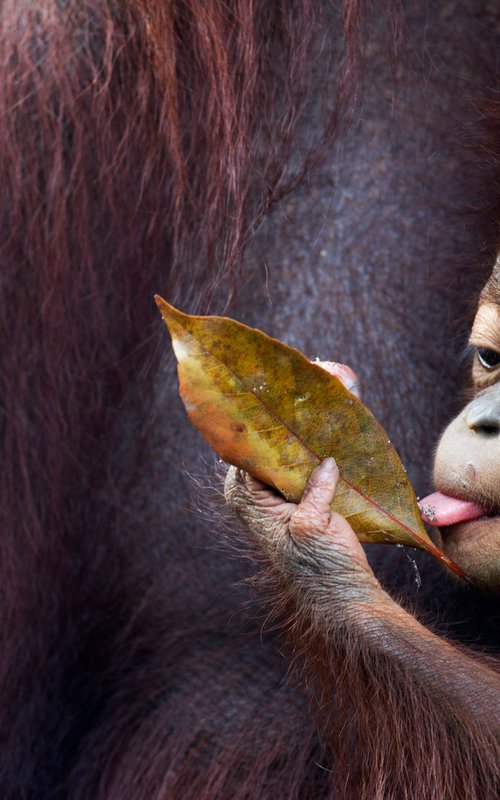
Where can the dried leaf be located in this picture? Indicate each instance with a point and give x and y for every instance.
(265, 408)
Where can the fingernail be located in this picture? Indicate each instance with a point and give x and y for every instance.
(328, 466)
(354, 388)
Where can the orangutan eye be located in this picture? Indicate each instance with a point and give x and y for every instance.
(489, 359)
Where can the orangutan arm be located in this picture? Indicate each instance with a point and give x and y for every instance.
(377, 674)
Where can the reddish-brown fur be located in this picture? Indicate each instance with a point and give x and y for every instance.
(394, 734)
(141, 144)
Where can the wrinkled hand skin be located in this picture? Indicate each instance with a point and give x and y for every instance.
(309, 544)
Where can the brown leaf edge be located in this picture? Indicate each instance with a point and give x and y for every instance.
(166, 309)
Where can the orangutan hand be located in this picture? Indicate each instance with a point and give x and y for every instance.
(309, 544)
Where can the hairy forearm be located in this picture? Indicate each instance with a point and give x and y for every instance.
(421, 715)
(452, 676)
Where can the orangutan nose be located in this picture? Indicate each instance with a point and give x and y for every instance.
(483, 414)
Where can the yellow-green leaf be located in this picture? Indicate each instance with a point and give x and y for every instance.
(265, 408)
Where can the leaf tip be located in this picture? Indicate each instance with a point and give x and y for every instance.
(164, 307)
(169, 313)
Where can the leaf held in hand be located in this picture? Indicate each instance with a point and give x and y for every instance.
(265, 408)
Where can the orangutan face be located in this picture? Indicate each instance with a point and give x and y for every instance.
(467, 464)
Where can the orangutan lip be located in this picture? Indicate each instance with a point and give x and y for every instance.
(470, 523)
(468, 529)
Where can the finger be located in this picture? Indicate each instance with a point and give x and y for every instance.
(313, 513)
(264, 496)
(246, 496)
(344, 374)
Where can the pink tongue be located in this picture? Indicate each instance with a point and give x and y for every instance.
(439, 509)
